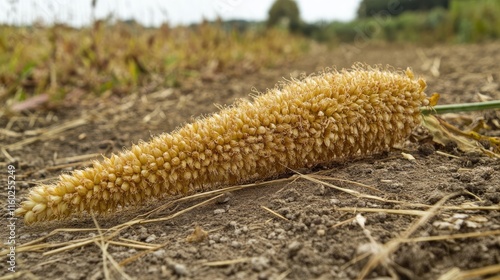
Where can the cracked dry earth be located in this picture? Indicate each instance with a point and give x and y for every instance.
(317, 236)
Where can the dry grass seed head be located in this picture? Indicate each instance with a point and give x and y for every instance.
(324, 117)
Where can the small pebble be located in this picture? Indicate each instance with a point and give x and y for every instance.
(322, 190)
(132, 251)
(382, 216)
(215, 237)
(441, 169)
(143, 233)
(259, 263)
(73, 275)
(334, 201)
(24, 236)
(219, 211)
(152, 269)
(151, 238)
(235, 244)
(294, 247)
(233, 223)
(159, 253)
(251, 241)
(180, 269)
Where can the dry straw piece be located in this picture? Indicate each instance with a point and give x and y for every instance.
(330, 116)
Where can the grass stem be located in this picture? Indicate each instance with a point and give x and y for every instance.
(463, 107)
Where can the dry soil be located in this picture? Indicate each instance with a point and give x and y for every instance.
(317, 238)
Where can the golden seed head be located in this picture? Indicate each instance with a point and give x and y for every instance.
(325, 117)
(39, 208)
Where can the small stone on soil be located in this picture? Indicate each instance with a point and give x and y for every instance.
(219, 211)
(150, 238)
(180, 269)
(259, 263)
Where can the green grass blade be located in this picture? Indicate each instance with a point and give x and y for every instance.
(464, 107)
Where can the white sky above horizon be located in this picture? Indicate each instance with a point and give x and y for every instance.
(155, 12)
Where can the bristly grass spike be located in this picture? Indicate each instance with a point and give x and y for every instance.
(330, 116)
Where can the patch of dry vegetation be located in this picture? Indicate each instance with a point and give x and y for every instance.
(121, 58)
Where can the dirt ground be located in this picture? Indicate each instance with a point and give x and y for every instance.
(317, 236)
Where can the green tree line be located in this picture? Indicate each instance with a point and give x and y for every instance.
(370, 8)
(423, 21)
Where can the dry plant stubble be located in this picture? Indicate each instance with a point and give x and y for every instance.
(326, 117)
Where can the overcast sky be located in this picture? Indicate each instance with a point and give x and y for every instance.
(155, 12)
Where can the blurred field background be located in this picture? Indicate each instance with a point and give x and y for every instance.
(50, 62)
(420, 22)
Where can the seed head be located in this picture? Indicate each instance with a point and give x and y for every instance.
(331, 116)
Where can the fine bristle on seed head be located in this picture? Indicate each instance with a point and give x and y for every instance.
(331, 116)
